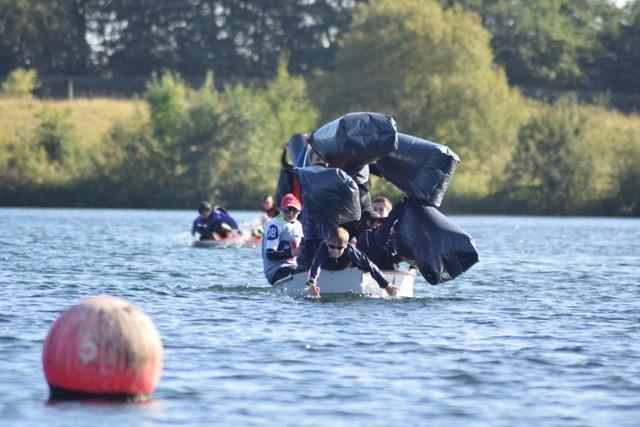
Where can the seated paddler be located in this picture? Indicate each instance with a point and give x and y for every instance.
(213, 223)
(376, 238)
(281, 240)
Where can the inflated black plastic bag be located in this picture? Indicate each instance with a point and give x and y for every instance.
(439, 248)
(356, 139)
(420, 168)
(361, 177)
(295, 145)
(285, 184)
(329, 195)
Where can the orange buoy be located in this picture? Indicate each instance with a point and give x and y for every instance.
(105, 348)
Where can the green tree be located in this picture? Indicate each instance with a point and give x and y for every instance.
(197, 145)
(22, 165)
(432, 71)
(231, 37)
(289, 109)
(49, 36)
(552, 168)
(627, 197)
(619, 59)
(20, 83)
(55, 133)
(258, 122)
(549, 44)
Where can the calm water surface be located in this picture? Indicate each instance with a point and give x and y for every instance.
(545, 330)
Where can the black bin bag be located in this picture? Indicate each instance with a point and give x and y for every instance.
(361, 177)
(356, 139)
(285, 184)
(329, 195)
(439, 248)
(420, 168)
(295, 145)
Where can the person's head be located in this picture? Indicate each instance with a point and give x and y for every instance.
(370, 219)
(267, 203)
(316, 159)
(337, 239)
(205, 209)
(382, 206)
(290, 207)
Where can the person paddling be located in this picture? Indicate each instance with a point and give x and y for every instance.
(281, 240)
(336, 254)
(213, 223)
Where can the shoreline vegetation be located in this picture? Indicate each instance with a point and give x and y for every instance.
(177, 145)
(101, 153)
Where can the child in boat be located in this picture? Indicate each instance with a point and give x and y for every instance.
(377, 241)
(268, 209)
(382, 206)
(213, 223)
(336, 254)
(281, 240)
(369, 220)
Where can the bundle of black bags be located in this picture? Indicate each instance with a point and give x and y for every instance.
(422, 169)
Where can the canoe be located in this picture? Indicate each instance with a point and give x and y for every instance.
(231, 242)
(348, 281)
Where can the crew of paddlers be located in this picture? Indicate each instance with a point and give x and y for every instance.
(323, 216)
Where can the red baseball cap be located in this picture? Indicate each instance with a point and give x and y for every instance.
(289, 200)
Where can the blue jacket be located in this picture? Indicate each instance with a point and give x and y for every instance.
(206, 227)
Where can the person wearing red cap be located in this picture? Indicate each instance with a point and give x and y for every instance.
(281, 239)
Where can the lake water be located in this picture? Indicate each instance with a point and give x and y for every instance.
(545, 330)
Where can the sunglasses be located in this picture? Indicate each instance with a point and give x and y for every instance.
(337, 248)
(289, 210)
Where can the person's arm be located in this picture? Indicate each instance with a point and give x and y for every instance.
(319, 259)
(222, 216)
(361, 261)
(274, 255)
(194, 227)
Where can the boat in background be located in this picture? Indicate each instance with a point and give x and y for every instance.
(348, 281)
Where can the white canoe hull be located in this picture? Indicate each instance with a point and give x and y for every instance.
(348, 281)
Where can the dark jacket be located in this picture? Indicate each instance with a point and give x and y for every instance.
(287, 181)
(206, 227)
(377, 243)
(351, 257)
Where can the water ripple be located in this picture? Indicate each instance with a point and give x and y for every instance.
(543, 331)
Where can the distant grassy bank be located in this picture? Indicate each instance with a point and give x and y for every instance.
(92, 118)
(178, 146)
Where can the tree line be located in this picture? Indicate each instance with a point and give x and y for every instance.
(432, 68)
(589, 45)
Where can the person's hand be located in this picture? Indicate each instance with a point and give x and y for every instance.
(392, 290)
(314, 289)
